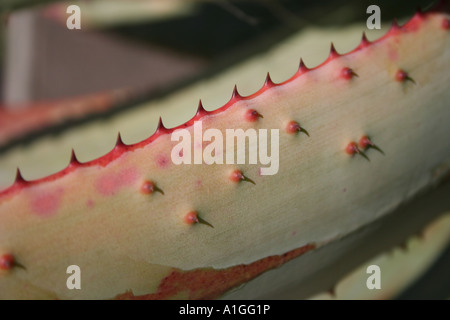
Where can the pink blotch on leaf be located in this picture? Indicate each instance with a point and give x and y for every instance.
(393, 54)
(162, 161)
(90, 203)
(108, 185)
(446, 24)
(46, 203)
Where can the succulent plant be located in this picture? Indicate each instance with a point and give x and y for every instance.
(359, 135)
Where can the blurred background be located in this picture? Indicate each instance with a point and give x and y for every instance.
(151, 44)
(131, 55)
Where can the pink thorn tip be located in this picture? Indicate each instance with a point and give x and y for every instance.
(119, 141)
(293, 127)
(148, 187)
(348, 73)
(252, 115)
(402, 76)
(366, 143)
(19, 177)
(238, 176)
(395, 26)
(364, 41)
(73, 158)
(192, 218)
(333, 52)
(160, 127)
(235, 94)
(352, 149)
(302, 68)
(446, 24)
(268, 82)
(200, 109)
(6, 261)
